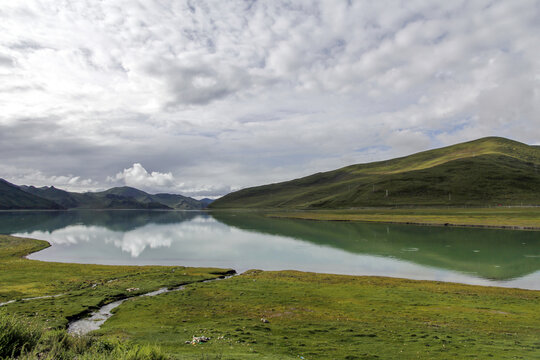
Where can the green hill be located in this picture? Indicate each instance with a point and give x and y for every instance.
(11, 197)
(484, 172)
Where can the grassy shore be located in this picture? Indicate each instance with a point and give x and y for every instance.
(512, 218)
(306, 315)
(81, 288)
(318, 316)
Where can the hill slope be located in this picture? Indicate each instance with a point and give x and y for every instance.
(11, 197)
(488, 171)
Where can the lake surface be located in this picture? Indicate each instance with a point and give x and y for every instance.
(250, 241)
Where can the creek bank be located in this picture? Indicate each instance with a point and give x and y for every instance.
(82, 325)
(32, 298)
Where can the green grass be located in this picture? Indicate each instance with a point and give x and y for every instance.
(320, 316)
(485, 172)
(516, 218)
(23, 339)
(315, 316)
(83, 287)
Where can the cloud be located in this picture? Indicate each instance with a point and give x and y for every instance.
(223, 95)
(5, 61)
(137, 176)
(36, 178)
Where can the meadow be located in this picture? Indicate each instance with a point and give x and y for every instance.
(258, 314)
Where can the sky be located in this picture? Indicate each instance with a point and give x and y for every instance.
(206, 97)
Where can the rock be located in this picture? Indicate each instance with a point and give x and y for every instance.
(132, 289)
(199, 339)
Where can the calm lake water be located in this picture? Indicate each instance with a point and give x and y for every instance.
(249, 241)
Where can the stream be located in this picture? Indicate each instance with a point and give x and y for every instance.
(97, 318)
(32, 298)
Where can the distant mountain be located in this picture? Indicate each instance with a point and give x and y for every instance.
(61, 197)
(11, 197)
(488, 171)
(173, 201)
(116, 198)
(178, 201)
(206, 202)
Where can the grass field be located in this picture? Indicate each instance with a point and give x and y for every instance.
(307, 315)
(498, 217)
(317, 316)
(82, 287)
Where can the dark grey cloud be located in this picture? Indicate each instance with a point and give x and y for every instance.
(222, 95)
(197, 84)
(6, 61)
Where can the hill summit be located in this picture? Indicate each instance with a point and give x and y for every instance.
(484, 172)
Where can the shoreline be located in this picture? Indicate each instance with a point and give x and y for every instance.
(283, 312)
(527, 219)
(478, 226)
(229, 271)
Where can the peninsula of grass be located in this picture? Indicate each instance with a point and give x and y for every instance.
(500, 217)
(73, 290)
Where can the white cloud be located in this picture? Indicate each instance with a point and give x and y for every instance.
(154, 182)
(229, 94)
(36, 178)
(137, 176)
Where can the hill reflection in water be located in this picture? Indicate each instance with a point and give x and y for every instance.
(248, 240)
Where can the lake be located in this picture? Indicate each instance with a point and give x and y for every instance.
(245, 241)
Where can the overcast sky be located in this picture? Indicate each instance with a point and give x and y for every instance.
(205, 97)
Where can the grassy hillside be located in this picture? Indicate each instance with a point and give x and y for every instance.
(11, 197)
(488, 171)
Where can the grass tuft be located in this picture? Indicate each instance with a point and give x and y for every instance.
(25, 340)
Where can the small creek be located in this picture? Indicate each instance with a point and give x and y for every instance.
(32, 298)
(98, 317)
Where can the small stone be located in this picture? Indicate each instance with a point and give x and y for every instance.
(199, 339)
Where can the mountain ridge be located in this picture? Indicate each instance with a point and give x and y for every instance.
(125, 197)
(13, 198)
(482, 172)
